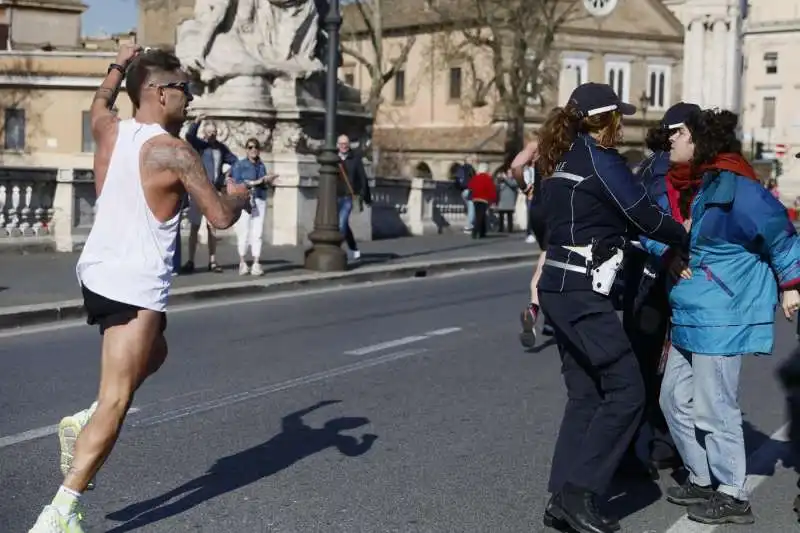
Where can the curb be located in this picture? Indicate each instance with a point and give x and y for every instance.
(39, 314)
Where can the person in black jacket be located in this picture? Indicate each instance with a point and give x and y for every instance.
(789, 375)
(645, 305)
(591, 200)
(352, 185)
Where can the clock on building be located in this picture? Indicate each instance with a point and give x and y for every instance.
(599, 8)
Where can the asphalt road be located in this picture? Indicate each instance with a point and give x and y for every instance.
(401, 407)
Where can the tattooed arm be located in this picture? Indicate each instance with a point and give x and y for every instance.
(169, 158)
(104, 121)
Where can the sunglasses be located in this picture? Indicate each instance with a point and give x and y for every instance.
(182, 86)
(252, 147)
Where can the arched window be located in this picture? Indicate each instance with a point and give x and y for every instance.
(453, 170)
(422, 170)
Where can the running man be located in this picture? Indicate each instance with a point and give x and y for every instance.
(142, 170)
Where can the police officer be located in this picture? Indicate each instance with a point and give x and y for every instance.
(645, 303)
(591, 199)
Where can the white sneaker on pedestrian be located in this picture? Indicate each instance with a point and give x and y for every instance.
(257, 270)
(530, 239)
(243, 269)
(355, 255)
(52, 521)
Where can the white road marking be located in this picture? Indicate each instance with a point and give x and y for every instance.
(760, 460)
(225, 302)
(386, 345)
(28, 435)
(440, 332)
(38, 433)
(232, 399)
(400, 342)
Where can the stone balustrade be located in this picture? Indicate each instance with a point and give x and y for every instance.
(54, 209)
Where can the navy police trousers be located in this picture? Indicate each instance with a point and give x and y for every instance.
(605, 392)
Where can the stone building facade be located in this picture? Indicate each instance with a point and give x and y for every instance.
(771, 109)
(48, 77)
(428, 122)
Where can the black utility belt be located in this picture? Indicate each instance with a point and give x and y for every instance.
(603, 272)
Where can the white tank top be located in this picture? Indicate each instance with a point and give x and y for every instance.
(128, 254)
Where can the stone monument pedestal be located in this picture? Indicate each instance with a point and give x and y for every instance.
(261, 75)
(287, 116)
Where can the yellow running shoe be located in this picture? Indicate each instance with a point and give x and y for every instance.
(68, 430)
(52, 521)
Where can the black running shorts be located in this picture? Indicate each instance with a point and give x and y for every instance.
(106, 313)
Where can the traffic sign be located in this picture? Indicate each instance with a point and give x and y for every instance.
(780, 150)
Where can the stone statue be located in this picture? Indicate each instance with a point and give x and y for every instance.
(230, 38)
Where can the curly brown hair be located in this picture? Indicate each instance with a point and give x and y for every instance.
(563, 125)
(657, 139)
(713, 133)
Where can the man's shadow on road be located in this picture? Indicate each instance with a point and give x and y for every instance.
(296, 442)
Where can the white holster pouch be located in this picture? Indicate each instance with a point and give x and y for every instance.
(604, 274)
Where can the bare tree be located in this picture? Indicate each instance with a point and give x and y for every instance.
(517, 39)
(380, 67)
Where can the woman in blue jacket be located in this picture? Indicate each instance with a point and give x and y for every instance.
(723, 307)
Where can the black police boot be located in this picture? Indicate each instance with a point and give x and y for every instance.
(578, 509)
(553, 510)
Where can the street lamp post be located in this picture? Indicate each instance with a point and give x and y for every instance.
(326, 254)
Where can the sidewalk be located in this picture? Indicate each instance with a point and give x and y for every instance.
(47, 280)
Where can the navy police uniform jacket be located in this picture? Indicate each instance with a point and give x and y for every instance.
(593, 195)
(653, 174)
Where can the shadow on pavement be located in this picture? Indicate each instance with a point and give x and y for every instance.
(296, 441)
(630, 496)
(551, 341)
(778, 452)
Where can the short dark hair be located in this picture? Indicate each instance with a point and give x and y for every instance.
(657, 139)
(143, 67)
(713, 133)
(253, 141)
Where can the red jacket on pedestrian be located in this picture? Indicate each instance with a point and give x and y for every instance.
(483, 188)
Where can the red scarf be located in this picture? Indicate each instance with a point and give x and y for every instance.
(682, 178)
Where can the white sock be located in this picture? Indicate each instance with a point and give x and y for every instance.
(65, 501)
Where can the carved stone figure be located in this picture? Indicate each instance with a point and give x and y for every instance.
(229, 38)
(236, 133)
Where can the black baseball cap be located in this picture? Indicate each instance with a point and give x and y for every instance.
(676, 116)
(595, 98)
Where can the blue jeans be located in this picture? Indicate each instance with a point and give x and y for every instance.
(699, 398)
(466, 195)
(345, 207)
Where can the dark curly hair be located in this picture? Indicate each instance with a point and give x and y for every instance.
(713, 133)
(561, 127)
(657, 139)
